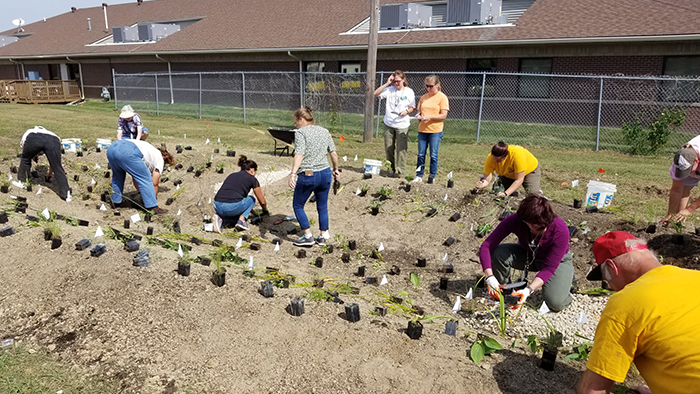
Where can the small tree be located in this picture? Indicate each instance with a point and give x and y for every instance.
(648, 141)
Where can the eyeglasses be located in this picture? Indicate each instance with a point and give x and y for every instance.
(429, 86)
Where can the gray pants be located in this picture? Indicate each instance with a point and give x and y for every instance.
(531, 183)
(396, 146)
(556, 291)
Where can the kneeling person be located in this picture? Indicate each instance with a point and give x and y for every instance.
(39, 140)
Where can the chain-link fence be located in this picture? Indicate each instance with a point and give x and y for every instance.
(529, 109)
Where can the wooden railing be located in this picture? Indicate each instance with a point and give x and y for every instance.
(39, 91)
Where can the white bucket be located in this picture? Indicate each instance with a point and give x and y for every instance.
(372, 166)
(600, 194)
(103, 143)
(72, 144)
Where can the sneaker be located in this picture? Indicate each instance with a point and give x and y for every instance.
(417, 180)
(159, 210)
(320, 240)
(305, 240)
(391, 174)
(241, 225)
(19, 184)
(218, 223)
(430, 179)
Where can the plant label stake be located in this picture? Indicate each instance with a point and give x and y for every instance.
(581, 319)
(46, 214)
(239, 243)
(277, 248)
(352, 312)
(381, 247)
(458, 305)
(384, 281)
(543, 309)
(297, 306)
(251, 264)
(179, 251)
(135, 218)
(99, 232)
(103, 208)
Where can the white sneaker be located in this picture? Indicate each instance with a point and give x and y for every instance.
(19, 184)
(218, 223)
(417, 180)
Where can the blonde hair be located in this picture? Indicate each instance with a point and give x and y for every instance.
(400, 74)
(434, 80)
(304, 113)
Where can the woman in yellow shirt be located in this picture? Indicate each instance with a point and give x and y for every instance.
(515, 165)
(433, 107)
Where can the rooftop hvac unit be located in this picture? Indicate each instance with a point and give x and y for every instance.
(458, 12)
(405, 16)
(485, 12)
(125, 34)
(156, 31)
(6, 40)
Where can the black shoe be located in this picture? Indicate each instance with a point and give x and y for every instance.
(430, 179)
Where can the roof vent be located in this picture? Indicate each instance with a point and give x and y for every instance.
(138, 2)
(73, 9)
(156, 31)
(405, 16)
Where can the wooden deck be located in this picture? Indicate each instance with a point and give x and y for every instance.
(39, 91)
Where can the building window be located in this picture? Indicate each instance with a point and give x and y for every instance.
(481, 65)
(350, 67)
(534, 86)
(315, 67)
(474, 81)
(685, 91)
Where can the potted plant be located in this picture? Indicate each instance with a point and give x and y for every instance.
(677, 238)
(5, 185)
(363, 190)
(220, 168)
(183, 265)
(385, 193)
(219, 275)
(54, 228)
(374, 207)
(552, 343)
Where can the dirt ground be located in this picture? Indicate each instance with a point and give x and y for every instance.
(155, 331)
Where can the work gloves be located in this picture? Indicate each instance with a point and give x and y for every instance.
(493, 287)
(522, 294)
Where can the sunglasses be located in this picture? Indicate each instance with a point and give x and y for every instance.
(429, 86)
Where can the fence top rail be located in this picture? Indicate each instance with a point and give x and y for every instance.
(647, 78)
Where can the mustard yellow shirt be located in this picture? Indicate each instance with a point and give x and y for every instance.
(655, 322)
(432, 105)
(518, 159)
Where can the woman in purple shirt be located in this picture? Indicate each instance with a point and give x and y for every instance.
(543, 245)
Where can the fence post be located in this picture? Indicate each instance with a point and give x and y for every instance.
(200, 95)
(600, 109)
(114, 88)
(481, 106)
(157, 108)
(379, 104)
(244, 112)
(302, 90)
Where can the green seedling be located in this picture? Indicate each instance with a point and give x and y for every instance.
(385, 191)
(482, 347)
(533, 343)
(581, 352)
(364, 188)
(502, 319)
(415, 279)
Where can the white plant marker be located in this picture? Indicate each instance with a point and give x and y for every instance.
(445, 199)
(585, 231)
(177, 187)
(92, 181)
(179, 250)
(345, 158)
(458, 305)
(209, 200)
(45, 213)
(158, 131)
(103, 208)
(179, 211)
(469, 295)
(544, 308)
(99, 232)
(200, 203)
(355, 158)
(135, 218)
(449, 175)
(184, 137)
(358, 191)
(218, 140)
(68, 197)
(472, 227)
(277, 248)
(574, 183)
(251, 264)
(206, 142)
(384, 281)
(581, 319)
(239, 243)
(444, 259)
(38, 191)
(209, 227)
(98, 166)
(381, 247)
(9, 177)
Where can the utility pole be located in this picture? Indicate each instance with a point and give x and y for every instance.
(371, 69)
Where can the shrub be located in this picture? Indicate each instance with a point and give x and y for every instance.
(649, 141)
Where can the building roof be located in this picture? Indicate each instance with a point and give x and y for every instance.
(253, 25)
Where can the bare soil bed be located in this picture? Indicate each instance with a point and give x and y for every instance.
(155, 331)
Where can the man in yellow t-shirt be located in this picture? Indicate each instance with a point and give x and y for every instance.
(653, 320)
(515, 165)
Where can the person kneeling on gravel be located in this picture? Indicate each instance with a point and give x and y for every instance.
(232, 202)
(38, 140)
(144, 163)
(543, 245)
(653, 320)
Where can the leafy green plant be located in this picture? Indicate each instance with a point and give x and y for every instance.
(178, 192)
(409, 177)
(219, 266)
(483, 347)
(677, 226)
(580, 352)
(415, 279)
(374, 204)
(502, 319)
(342, 241)
(484, 229)
(596, 291)
(220, 166)
(54, 227)
(647, 141)
(385, 191)
(533, 343)
(364, 188)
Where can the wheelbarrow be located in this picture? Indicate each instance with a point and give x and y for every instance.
(284, 139)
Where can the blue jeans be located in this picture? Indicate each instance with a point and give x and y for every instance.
(425, 140)
(320, 184)
(231, 211)
(124, 157)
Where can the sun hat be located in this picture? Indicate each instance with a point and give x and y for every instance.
(127, 112)
(609, 246)
(683, 162)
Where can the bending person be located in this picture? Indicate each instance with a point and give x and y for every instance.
(543, 245)
(38, 140)
(433, 107)
(400, 101)
(130, 125)
(685, 173)
(311, 174)
(232, 202)
(144, 163)
(515, 165)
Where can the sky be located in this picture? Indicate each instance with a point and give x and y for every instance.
(36, 10)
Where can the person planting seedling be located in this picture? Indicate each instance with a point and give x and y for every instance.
(232, 202)
(34, 142)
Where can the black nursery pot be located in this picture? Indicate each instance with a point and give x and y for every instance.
(89, 189)
(267, 289)
(421, 262)
(107, 174)
(79, 153)
(21, 209)
(443, 283)
(450, 183)
(395, 270)
(296, 306)
(230, 153)
(301, 253)
(449, 241)
(83, 244)
(431, 212)
(216, 150)
(176, 227)
(651, 229)
(345, 258)
(352, 245)
(7, 231)
(84, 168)
(362, 193)
(361, 270)
(549, 358)
(127, 223)
(592, 209)
(29, 188)
(198, 173)
(4, 189)
(577, 203)
(370, 280)
(204, 260)
(319, 262)
(381, 310)
(367, 175)
(183, 269)
(75, 177)
(188, 148)
(169, 201)
(448, 268)
(13, 169)
(149, 230)
(455, 217)
(414, 330)
(352, 312)
(375, 211)
(219, 279)
(178, 166)
(254, 246)
(407, 188)
(98, 250)
(220, 170)
(190, 169)
(47, 235)
(451, 327)
(56, 243)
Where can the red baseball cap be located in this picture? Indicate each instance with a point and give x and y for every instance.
(609, 246)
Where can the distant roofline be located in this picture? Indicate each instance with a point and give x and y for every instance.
(575, 40)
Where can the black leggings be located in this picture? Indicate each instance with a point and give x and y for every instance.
(36, 143)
